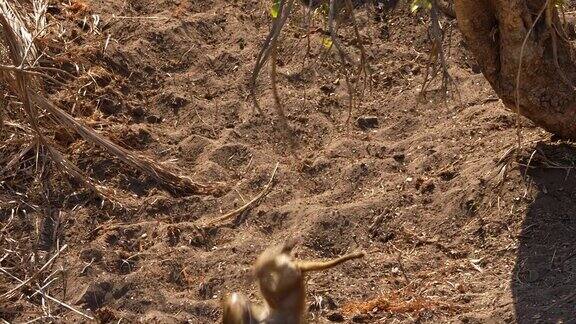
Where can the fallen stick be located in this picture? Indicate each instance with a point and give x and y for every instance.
(248, 204)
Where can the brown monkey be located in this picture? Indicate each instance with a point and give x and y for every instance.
(281, 280)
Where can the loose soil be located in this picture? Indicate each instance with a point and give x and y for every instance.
(449, 238)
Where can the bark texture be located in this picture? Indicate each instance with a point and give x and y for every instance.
(495, 31)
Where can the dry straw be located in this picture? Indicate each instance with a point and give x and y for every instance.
(21, 76)
(27, 122)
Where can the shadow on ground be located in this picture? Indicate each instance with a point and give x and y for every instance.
(544, 277)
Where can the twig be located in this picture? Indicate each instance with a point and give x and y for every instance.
(284, 10)
(401, 265)
(308, 20)
(247, 205)
(42, 288)
(25, 282)
(344, 59)
(204, 122)
(171, 180)
(87, 266)
(17, 158)
(35, 320)
(437, 58)
(364, 68)
(51, 298)
(239, 194)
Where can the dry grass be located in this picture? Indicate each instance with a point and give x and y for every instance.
(31, 277)
(22, 77)
(78, 7)
(394, 303)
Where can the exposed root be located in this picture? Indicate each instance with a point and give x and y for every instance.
(344, 58)
(285, 128)
(364, 68)
(284, 11)
(447, 8)
(437, 58)
(333, 10)
(553, 30)
(308, 23)
(518, 77)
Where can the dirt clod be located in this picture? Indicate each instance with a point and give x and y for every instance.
(367, 122)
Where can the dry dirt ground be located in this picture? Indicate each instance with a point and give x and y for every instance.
(448, 239)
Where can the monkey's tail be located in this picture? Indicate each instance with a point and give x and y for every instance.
(307, 266)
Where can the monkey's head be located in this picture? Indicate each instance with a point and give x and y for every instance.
(278, 274)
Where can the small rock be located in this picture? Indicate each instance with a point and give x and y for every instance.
(335, 317)
(323, 302)
(328, 89)
(428, 187)
(399, 157)
(367, 122)
(152, 119)
(361, 318)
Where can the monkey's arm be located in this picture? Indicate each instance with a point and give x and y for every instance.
(307, 266)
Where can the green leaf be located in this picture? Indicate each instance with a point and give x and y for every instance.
(420, 4)
(275, 9)
(327, 42)
(324, 10)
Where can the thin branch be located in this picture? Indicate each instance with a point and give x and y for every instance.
(249, 204)
(284, 10)
(344, 59)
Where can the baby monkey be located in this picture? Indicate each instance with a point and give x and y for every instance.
(281, 280)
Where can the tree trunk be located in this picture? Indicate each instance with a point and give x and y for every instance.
(495, 31)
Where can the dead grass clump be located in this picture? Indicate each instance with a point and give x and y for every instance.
(38, 178)
(396, 304)
(23, 77)
(78, 8)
